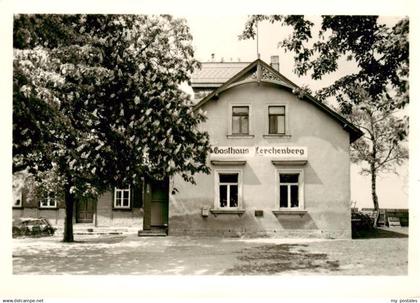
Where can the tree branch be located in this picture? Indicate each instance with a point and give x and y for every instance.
(387, 156)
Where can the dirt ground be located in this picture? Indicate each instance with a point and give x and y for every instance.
(386, 253)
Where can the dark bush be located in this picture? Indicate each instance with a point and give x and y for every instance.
(360, 224)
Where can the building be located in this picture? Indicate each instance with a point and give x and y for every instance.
(280, 162)
(121, 207)
(280, 166)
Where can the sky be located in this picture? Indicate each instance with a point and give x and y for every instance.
(218, 35)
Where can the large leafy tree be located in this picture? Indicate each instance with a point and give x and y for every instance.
(372, 94)
(97, 102)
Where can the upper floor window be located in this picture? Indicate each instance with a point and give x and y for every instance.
(48, 201)
(276, 120)
(122, 198)
(240, 120)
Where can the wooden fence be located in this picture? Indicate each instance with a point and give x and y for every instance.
(389, 216)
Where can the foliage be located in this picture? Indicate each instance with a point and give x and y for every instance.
(382, 146)
(380, 52)
(97, 100)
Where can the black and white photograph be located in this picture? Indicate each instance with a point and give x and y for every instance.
(155, 145)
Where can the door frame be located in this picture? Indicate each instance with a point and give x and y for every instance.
(94, 206)
(147, 206)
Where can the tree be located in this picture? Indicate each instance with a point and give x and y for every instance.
(383, 145)
(368, 97)
(97, 102)
(380, 52)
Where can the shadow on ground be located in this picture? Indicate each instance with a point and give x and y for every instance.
(275, 259)
(377, 233)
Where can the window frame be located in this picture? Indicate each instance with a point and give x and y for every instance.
(217, 172)
(230, 122)
(122, 190)
(286, 120)
(277, 115)
(301, 189)
(49, 197)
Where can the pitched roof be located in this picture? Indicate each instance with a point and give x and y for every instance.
(261, 71)
(214, 74)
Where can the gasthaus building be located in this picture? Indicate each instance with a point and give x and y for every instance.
(280, 162)
(280, 167)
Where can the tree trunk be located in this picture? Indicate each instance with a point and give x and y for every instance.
(374, 195)
(373, 171)
(68, 222)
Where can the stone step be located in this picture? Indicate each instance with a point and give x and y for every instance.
(153, 233)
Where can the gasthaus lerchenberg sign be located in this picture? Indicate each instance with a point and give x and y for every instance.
(272, 151)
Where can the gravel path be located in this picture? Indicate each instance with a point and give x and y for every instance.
(129, 254)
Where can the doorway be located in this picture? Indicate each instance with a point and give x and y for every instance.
(159, 207)
(156, 204)
(84, 210)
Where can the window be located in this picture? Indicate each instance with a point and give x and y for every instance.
(122, 198)
(17, 199)
(276, 120)
(48, 201)
(240, 120)
(228, 189)
(290, 189)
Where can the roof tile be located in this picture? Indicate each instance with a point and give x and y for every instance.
(216, 72)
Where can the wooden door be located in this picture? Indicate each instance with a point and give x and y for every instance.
(84, 211)
(159, 203)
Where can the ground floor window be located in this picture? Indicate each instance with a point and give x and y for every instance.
(290, 193)
(48, 201)
(122, 198)
(228, 189)
(17, 198)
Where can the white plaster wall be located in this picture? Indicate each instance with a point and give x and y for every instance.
(326, 175)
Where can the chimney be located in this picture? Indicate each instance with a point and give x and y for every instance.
(275, 63)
